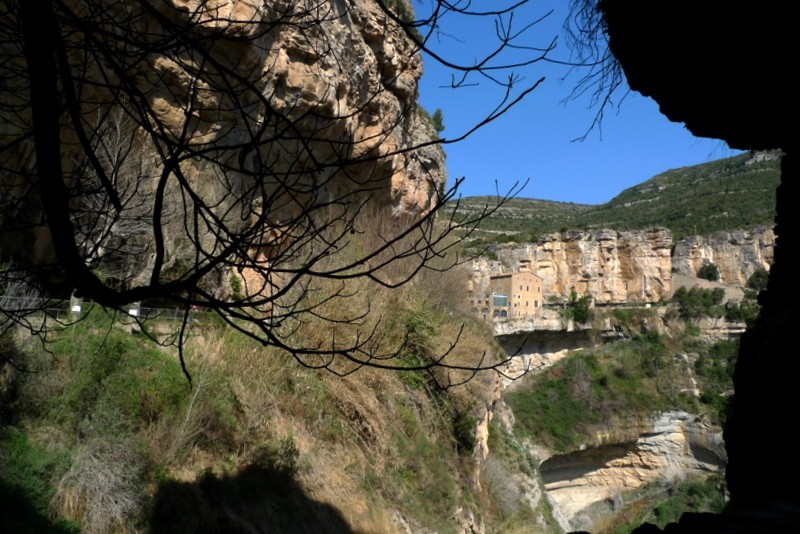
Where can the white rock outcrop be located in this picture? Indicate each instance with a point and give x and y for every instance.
(630, 266)
(673, 445)
(634, 266)
(737, 254)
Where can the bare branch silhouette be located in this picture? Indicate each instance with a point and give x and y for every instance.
(163, 151)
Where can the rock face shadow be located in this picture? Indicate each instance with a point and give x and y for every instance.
(257, 499)
(19, 514)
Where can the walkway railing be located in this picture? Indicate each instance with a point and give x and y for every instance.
(66, 310)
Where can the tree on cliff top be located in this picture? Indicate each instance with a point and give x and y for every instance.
(156, 150)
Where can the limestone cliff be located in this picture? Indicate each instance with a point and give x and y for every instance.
(666, 448)
(307, 101)
(737, 254)
(592, 481)
(629, 266)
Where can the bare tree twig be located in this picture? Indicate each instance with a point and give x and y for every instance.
(160, 153)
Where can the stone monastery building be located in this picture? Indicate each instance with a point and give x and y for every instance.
(510, 296)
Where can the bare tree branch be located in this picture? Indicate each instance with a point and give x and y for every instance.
(158, 151)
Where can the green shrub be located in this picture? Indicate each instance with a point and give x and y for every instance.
(750, 294)
(236, 287)
(709, 272)
(577, 308)
(438, 120)
(117, 379)
(28, 468)
(464, 423)
(418, 328)
(281, 457)
(743, 312)
(715, 367)
(552, 409)
(402, 8)
(216, 417)
(28, 474)
(650, 349)
(758, 280)
(669, 504)
(717, 404)
(624, 317)
(697, 302)
(692, 329)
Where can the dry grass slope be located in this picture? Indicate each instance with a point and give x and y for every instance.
(259, 439)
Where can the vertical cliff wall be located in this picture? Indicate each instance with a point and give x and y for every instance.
(737, 254)
(629, 266)
(220, 102)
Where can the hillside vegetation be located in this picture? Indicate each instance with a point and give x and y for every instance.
(522, 219)
(662, 362)
(737, 192)
(665, 366)
(101, 432)
(623, 381)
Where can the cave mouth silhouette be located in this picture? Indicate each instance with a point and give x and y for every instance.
(724, 71)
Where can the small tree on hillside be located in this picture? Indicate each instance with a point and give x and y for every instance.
(709, 272)
(695, 302)
(438, 120)
(758, 280)
(578, 308)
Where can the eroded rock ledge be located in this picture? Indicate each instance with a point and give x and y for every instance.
(669, 447)
(634, 266)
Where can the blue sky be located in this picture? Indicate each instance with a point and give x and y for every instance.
(534, 141)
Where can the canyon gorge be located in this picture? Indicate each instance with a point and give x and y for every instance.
(265, 169)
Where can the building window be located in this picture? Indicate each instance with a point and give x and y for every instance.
(499, 300)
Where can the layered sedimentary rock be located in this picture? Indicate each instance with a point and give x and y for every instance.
(631, 266)
(316, 98)
(737, 254)
(669, 447)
